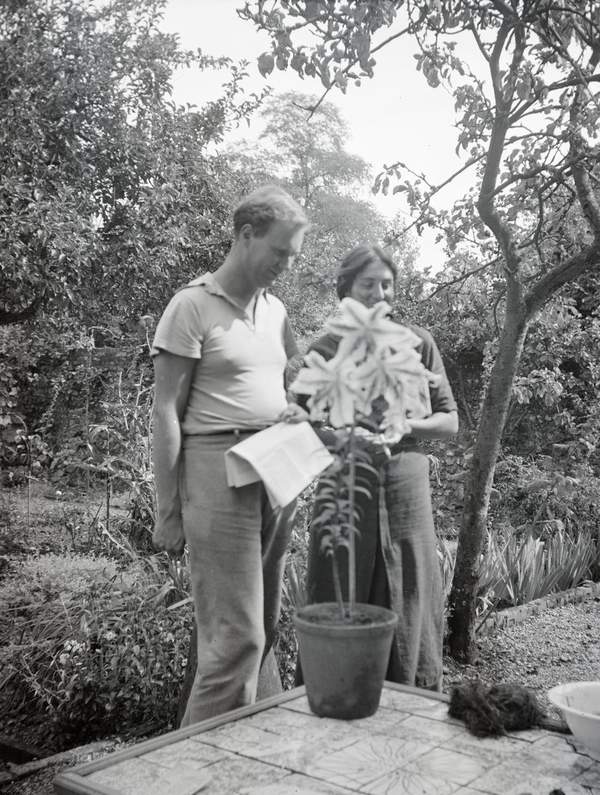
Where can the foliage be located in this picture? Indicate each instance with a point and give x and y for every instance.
(546, 496)
(23, 454)
(527, 125)
(108, 195)
(519, 569)
(376, 379)
(105, 178)
(303, 146)
(338, 224)
(307, 146)
(116, 450)
(556, 389)
(90, 646)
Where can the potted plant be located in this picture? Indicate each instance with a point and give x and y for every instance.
(344, 646)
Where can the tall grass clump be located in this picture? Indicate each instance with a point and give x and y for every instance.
(521, 568)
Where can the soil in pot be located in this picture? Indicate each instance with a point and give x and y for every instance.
(344, 661)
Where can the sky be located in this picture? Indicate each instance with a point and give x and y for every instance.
(393, 116)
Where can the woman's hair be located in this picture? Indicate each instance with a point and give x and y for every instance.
(355, 262)
(263, 207)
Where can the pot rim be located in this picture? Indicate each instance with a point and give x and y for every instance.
(383, 618)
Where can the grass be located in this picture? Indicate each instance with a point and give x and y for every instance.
(86, 637)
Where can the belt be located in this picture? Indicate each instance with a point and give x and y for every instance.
(405, 446)
(230, 432)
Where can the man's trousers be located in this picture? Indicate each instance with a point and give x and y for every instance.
(237, 547)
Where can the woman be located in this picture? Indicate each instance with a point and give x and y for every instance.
(397, 564)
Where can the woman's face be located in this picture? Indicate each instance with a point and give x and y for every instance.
(374, 284)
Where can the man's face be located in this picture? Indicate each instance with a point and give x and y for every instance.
(269, 256)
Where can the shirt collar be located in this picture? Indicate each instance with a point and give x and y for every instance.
(208, 281)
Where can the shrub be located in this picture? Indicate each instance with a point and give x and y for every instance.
(92, 647)
(545, 496)
(521, 569)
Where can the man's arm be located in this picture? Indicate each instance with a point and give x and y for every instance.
(293, 412)
(173, 377)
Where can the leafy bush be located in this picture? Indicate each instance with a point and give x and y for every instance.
(546, 496)
(519, 570)
(94, 648)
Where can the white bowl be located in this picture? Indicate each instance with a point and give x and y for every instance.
(580, 704)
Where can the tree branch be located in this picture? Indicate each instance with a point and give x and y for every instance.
(479, 42)
(463, 277)
(500, 125)
(572, 82)
(353, 63)
(554, 279)
(494, 61)
(590, 255)
(534, 172)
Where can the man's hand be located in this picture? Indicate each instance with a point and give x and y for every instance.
(293, 413)
(168, 535)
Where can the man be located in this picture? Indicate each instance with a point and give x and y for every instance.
(220, 351)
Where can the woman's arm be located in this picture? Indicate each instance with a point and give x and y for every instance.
(439, 425)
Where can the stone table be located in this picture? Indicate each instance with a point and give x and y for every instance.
(278, 747)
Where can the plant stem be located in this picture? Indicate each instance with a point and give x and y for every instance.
(337, 585)
(351, 540)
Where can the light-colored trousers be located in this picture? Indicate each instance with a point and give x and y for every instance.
(237, 547)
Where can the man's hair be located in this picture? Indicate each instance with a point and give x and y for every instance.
(356, 261)
(264, 206)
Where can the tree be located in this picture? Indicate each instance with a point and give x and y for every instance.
(310, 147)
(108, 197)
(103, 179)
(528, 126)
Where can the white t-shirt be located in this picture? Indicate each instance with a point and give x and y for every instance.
(238, 381)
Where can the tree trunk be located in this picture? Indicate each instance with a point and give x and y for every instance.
(462, 600)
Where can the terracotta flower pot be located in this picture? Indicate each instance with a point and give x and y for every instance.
(344, 662)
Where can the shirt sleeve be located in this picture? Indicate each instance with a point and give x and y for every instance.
(180, 330)
(442, 398)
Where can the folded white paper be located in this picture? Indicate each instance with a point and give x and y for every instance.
(287, 457)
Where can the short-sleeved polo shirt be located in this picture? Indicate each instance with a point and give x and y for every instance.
(238, 381)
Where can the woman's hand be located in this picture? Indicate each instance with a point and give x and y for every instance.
(439, 425)
(377, 445)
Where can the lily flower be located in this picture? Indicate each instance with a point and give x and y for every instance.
(388, 373)
(365, 331)
(333, 388)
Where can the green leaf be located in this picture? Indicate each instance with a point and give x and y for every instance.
(266, 63)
